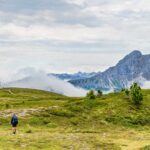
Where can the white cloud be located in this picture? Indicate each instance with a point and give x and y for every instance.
(76, 2)
(62, 33)
(146, 85)
(30, 78)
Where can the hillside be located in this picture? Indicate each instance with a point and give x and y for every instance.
(51, 121)
(133, 67)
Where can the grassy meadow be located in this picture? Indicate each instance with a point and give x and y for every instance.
(50, 121)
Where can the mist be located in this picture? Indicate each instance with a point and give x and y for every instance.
(146, 85)
(30, 78)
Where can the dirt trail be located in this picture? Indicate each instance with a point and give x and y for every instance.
(23, 112)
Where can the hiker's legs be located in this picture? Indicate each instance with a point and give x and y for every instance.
(14, 130)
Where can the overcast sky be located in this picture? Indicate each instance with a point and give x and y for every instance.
(71, 35)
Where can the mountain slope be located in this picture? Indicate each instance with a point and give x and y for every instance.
(131, 68)
(51, 121)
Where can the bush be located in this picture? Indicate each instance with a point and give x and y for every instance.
(136, 94)
(91, 94)
(127, 92)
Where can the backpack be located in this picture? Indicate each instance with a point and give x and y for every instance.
(14, 120)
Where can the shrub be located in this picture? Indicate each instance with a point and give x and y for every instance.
(127, 92)
(91, 94)
(136, 94)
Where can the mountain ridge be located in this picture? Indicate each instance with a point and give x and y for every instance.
(128, 69)
(74, 76)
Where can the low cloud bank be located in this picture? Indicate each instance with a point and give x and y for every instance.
(30, 78)
(40, 80)
(145, 84)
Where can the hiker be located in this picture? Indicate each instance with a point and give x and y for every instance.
(14, 123)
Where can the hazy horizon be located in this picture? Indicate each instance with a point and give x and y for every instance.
(70, 35)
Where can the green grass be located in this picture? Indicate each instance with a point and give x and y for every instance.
(54, 122)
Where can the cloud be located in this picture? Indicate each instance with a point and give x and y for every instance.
(69, 35)
(94, 21)
(146, 85)
(77, 2)
(70, 26)
(65, 33)
(30, 78)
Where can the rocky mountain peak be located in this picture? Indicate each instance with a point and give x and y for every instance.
(131, 57)
(132, 67)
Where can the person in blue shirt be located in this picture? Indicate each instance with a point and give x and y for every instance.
(14, 123)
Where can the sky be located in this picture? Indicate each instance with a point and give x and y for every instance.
(71, 35)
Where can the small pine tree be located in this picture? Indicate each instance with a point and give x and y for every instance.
(136, 94)
(99, 93)
(127, 92)
(91, 94)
